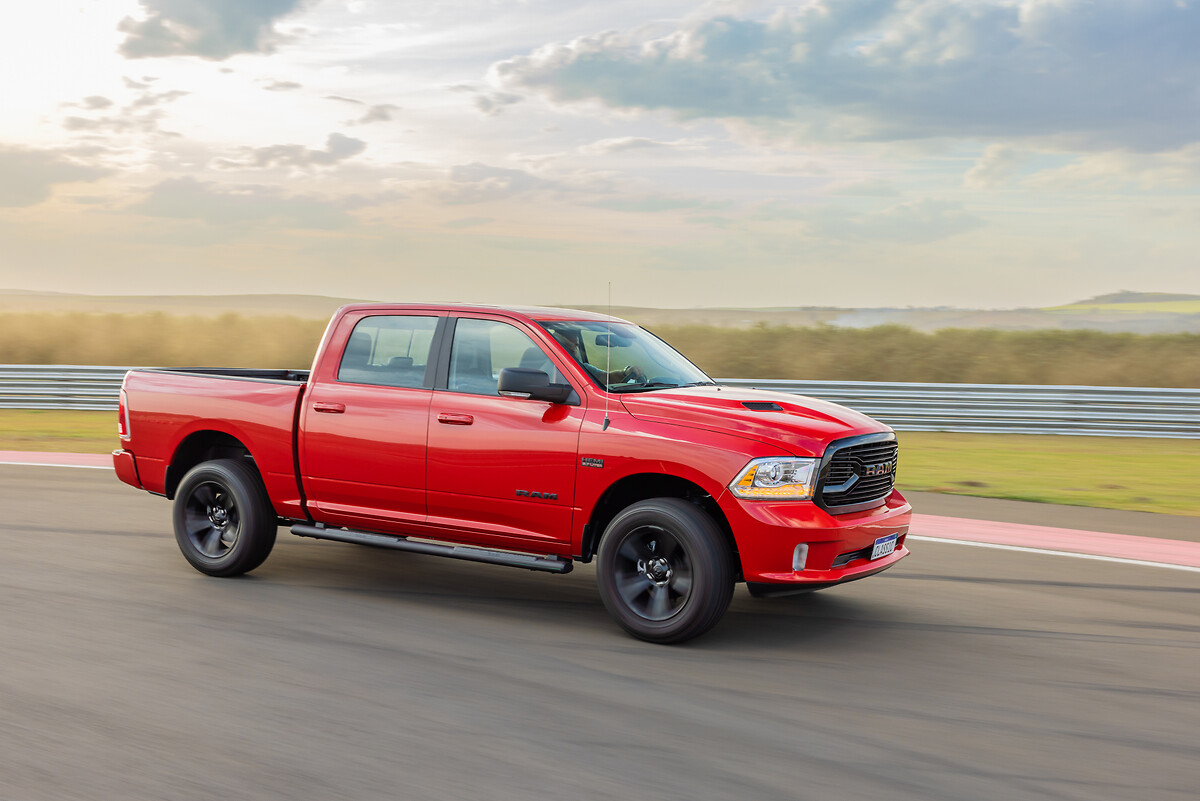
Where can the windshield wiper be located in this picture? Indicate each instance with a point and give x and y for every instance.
(642, 387)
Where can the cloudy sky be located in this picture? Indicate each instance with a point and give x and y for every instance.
(982, 153)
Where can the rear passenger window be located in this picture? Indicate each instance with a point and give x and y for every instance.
(390, 351)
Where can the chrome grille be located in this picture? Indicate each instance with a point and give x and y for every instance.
(858, 473)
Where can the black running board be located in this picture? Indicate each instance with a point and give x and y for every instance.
(548, 564)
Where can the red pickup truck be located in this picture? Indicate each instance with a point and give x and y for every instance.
(526, 437)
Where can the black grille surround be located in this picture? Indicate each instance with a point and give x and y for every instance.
(843, 485)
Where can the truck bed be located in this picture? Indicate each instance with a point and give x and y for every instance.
(169, 408)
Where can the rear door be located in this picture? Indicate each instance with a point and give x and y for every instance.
(364, 422)
(500, 470)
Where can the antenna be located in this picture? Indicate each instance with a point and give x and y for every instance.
(608, 360)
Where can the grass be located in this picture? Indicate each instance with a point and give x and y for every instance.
(821, 352)
(58, 431)
(1144, 475)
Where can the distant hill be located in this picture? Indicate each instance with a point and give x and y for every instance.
(1129, 312)
(1141, 303)
(1134, 297)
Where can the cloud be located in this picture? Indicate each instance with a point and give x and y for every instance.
(481, 183)
(1123, 171)
(283, 86)
(27, 175)
(141, 115)
(468, 222)
(997, 165)
(872, 187)
(493, 103)
(209, 29)
(382, 112)
(490, 102)
(626, 143)
(243, 205)
(338, 147)
(1093, 74)
(654, 204)
(915, 222)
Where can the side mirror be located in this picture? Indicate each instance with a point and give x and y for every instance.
(524, 382)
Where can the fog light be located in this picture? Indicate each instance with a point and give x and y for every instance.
(799, 557)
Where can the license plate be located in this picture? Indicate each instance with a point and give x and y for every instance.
(884, 546)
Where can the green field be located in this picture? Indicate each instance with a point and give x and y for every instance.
(58, 431)
(1143, 475)
(1146, 475)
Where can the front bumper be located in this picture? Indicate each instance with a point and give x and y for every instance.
(767, 533)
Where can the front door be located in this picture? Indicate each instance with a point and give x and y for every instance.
(501, 470)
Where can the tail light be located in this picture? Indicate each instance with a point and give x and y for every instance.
(122, 417)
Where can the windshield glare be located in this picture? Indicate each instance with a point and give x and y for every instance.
(621, 357)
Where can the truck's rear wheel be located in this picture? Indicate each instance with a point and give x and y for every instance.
(224, 522)
(664, 570)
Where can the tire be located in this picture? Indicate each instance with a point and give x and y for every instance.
(664, 570)
(224, 522)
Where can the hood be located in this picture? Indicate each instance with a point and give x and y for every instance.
(801, 426)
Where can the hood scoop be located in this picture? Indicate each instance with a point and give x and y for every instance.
(762, 406)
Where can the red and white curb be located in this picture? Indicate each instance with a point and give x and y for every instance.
(37, 459)
(1100, 546)
(1097, 545)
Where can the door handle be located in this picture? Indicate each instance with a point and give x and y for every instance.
(456, 419)
(329, 408)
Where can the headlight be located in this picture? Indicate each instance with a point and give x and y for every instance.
(783, 479)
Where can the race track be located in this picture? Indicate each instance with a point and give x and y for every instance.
(336, 671)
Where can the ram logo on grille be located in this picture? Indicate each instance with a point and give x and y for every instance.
(881, 469)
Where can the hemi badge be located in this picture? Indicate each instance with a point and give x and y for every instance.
(589, 461)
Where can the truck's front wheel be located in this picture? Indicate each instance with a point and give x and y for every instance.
(664, 570)
(224, 522)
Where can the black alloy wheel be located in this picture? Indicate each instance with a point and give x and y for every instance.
(664, 570)
(212, 520)
(224, 522)
(653, 573)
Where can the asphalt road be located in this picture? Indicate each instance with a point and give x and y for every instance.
(337, 671)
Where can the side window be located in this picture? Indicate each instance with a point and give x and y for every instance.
(390, 351)
(482, 348)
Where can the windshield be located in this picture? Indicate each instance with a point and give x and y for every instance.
(621, 357)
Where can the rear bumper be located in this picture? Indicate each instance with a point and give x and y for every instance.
(125, 465)
(767, 534)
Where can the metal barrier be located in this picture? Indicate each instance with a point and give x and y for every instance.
(1009, 408)
(983, 408)
(59, 386)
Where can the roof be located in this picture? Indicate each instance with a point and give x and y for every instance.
(534, 313)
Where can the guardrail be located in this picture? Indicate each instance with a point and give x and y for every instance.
(982, 408)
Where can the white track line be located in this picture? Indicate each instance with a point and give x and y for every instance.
(1023, 549)
(60, 464)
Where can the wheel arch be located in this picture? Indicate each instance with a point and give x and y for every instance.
(203, 446)
(643, 486)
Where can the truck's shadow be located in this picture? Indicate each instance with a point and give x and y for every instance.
(571, 600)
